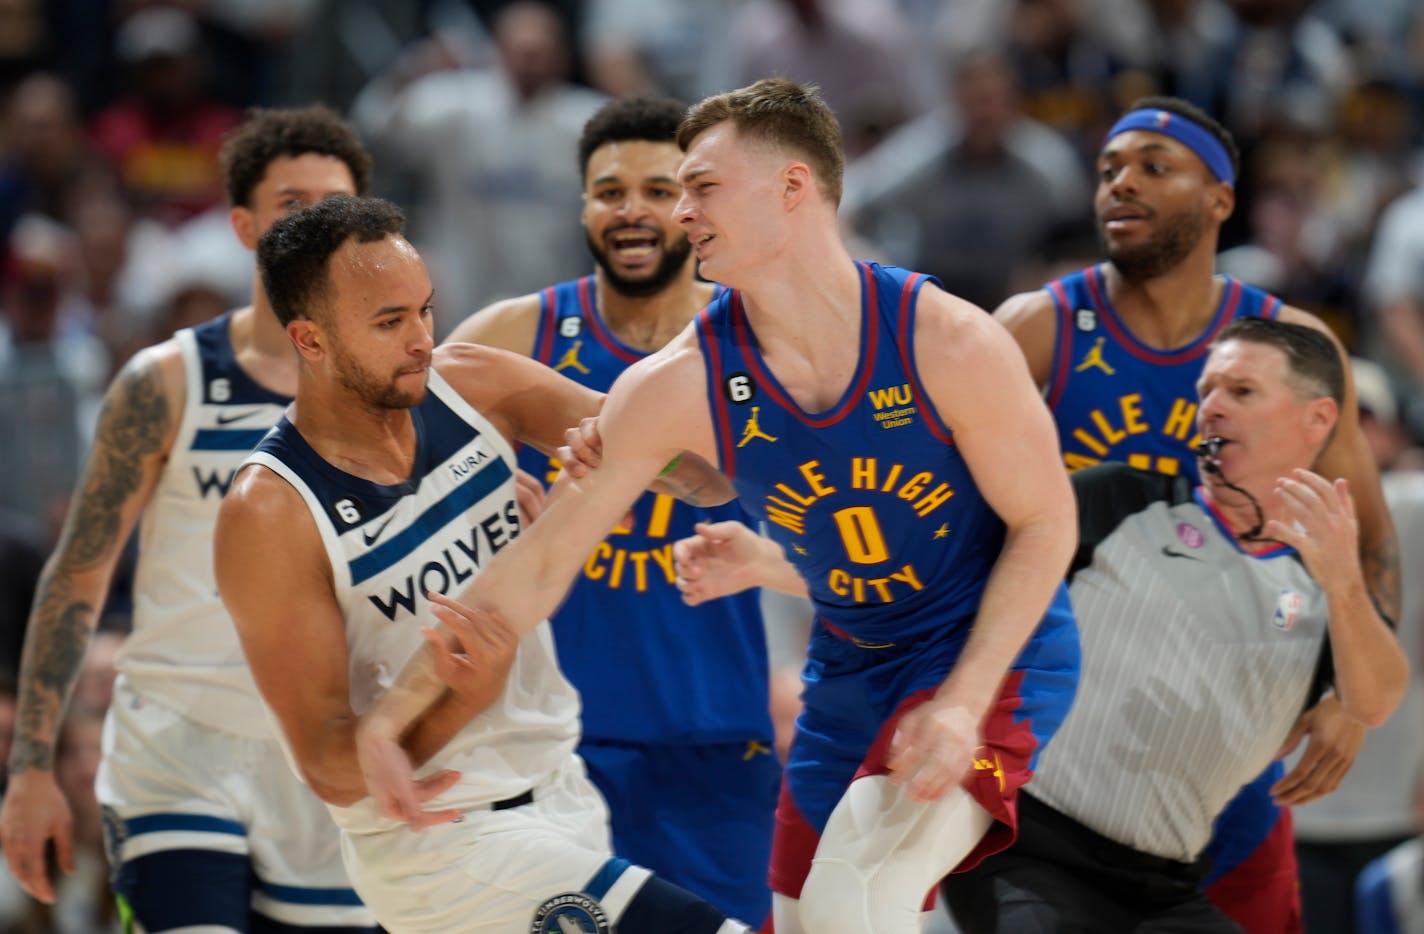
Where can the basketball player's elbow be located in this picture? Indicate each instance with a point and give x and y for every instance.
(331, 769)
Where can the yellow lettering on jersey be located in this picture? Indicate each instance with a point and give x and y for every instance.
(1132, 414)
(1182, 419)
(593, 568)
(1159, 463)
(662, 557)
(860, 533)
(884, 398)
(932, 500)
(800, 499)
(1091, 443)
(786, 518)
(864, 475)
(661, 516)
(1078, 461)
(816, 479)
(861, 589)
(1109, 434)
(612, 565)
(788, 509)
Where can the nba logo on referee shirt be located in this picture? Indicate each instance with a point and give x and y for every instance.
(570, 913)
(1287, 608)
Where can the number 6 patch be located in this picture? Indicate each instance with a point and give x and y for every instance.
(738, 388)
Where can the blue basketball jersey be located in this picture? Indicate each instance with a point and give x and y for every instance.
(870, 499)
(651, 669)
(1116, 399)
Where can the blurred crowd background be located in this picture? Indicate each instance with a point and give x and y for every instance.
(971, 127)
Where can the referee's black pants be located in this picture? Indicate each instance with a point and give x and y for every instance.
(1059, 877)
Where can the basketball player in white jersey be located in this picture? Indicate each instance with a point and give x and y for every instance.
(390, 483)
(205, 825)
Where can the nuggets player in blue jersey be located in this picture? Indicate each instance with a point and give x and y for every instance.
(676, 730)
(389, 482)
(206, 827)
(1117, 349)
(891, 434)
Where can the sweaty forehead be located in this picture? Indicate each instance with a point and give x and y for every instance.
(379, 263)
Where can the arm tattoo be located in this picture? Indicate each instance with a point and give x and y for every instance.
(691, 493)
(58, 635)
(1380, 563)
(132, 427)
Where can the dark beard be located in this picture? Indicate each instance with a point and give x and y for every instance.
(370, 391)
(674, 258)
(1164, 250)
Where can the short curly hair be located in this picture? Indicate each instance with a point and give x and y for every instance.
(647, 119)
(294, 255)
(271, 133)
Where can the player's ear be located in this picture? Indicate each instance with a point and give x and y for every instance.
(1221, 202)
(307, 337)
(796, 182)
(1321, 415)
(244, 224)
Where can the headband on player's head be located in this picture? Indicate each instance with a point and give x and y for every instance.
(1191, 135)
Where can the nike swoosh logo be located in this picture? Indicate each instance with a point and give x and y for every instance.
(225, 419)
(1174, 552)
(370, 537)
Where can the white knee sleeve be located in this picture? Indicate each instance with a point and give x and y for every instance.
(881, 854)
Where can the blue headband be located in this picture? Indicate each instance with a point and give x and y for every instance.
(1207, 147)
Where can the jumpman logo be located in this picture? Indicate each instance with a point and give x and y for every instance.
(755, 749)
(570, 359)
(1094, 358)
(751, 430)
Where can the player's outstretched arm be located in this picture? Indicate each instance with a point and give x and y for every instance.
(687, 477)
(134, 434)
(978, 381)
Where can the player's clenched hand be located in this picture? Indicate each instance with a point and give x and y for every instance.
(582, 450)
(529, 494)
(1335, 739)
(34, 813)
(722, 558)
(391, 782)
(476, 674)
(932, 749)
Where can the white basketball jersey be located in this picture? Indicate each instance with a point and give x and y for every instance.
(390, 545)
(184, 651)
